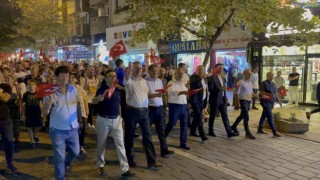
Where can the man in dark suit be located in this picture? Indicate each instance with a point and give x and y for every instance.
(197, 101)
(218, 101)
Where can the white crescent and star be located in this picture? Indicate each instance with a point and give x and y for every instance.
(119, 47)
(52, 89)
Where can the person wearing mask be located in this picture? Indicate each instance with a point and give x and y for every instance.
(109, 121)
(63, 107)
(255, 85)
(178, 109)
(156, 109)
(137, 106)
(218, 101)
(245, 93)
(268, 96)
(198, 101)
(293, 86)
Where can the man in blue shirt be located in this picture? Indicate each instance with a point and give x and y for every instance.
(108, 120)
(268, 96)
(62, 106)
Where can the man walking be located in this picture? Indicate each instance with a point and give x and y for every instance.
(268, 96)
(197, 101)
(218, 101)
(245, 93)
(64, 124)
(137, 103)
(255, 85)
(293, 86)
(108, 120)
(156, 110)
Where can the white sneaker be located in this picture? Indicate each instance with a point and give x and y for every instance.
(93, 127)
(83, 150)
(89, 125)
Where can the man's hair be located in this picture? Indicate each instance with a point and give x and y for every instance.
(61, 69)
(219, 64)
(118, 62)
(136, 63)
(180, 65)
(108, 71)
(32, 81)
(150, 68)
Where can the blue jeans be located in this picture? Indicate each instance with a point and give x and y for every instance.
(62, 141)
(245, 106)
(267, 113)
(178, 111)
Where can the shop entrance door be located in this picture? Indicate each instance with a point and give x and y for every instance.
(312, 77)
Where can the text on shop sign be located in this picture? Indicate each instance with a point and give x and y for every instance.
(187, 46)
(123, 35)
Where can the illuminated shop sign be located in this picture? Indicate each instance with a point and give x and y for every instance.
(187, 46)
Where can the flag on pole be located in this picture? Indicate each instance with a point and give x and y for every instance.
(118, 49)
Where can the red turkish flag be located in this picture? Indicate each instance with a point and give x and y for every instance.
(164, 89)
(46, 89)
(267, 97)
(157, 60)
(118, 49)
(152, 52)
(191, 92)
(109, 92)
(44, 56)
(22, 54)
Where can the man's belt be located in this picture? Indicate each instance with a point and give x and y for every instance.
(108, 117)
(135, 108)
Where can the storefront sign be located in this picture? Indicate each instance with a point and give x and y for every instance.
(187, 47)
(126, 34)
(82, 54)
(236, 37)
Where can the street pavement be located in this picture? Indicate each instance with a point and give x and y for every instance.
(288, 157)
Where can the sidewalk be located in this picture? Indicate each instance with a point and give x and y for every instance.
(314, 123)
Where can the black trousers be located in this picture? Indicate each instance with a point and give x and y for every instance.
(6, 131)
(140, 116)
(156, 115)
(197, 109)
(224, 115)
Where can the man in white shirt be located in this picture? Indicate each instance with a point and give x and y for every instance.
(178, 107)
(137, 103)
(245, 93)
(255, 85)
(279, 80)
(156, 110)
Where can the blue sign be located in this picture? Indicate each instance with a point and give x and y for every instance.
(187, 47)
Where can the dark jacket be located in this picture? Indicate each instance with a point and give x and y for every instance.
(195, 83)
(216, 91)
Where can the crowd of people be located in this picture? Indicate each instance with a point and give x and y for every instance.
(102, 98)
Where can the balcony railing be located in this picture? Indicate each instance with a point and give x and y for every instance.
(99, 24)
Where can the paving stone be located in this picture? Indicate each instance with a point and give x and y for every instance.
(265, 166)
(292, 166)
(255, 169)
(313, 170)
(265, 176)
(235, 166)
(305, 173)
(275, 173)
(272, 163)
(301, 162)
(297, 176)
(283, 170)
(286, 178)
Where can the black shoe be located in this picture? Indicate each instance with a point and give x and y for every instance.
(166, 153)
(185, 147)
(255, 108)
(36, 139)
(68, 171)
(11, 169)
(133, 164)
(232, 134)
(212, 134)
(128, 174)
(261, 131)
(101, 171)
(204, 139)
(235, 130)
(194, 134)
(250, 136)
(155, 165)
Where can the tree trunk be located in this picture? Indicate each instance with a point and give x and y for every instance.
(207, 56)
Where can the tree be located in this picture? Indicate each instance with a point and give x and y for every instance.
(207, 19)
(32, 23)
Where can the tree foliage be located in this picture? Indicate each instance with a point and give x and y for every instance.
(31, 23)
(207, 19)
